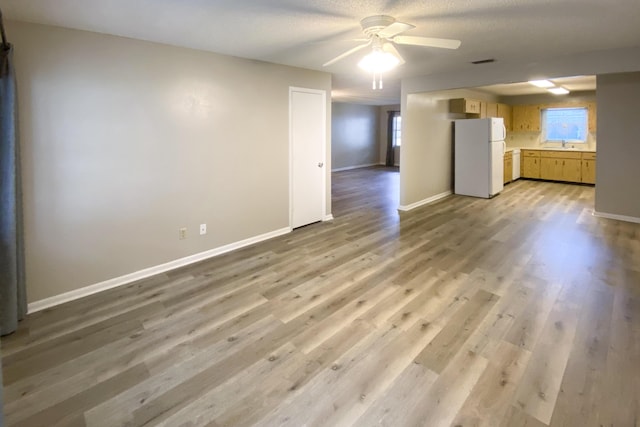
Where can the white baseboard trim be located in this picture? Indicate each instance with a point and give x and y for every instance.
(147, 272)
(348, 168)
(617, 217)
(432, 199)
(328, 217)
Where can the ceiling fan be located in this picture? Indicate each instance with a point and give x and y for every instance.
(382, 32)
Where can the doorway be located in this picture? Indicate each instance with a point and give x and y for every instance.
(307, 135)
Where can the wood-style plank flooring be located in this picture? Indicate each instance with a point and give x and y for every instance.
(523, 310)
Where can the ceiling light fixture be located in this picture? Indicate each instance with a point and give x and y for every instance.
(378, 61)
(541, 83)
(558, 91)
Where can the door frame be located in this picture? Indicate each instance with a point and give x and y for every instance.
(323, 93)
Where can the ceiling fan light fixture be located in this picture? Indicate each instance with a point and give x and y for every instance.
(378, 61)
(383, 32)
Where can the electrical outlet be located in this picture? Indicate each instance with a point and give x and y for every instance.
(182, 233)
(203, 229)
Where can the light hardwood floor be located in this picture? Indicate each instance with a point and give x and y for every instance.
(523, 310)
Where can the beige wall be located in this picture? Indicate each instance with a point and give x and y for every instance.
(426, 164)
(354, 135)
(617, 170)
(125, 141)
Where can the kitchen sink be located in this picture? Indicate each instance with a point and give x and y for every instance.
(564, 148)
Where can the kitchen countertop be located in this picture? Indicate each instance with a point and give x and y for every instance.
(552, 149)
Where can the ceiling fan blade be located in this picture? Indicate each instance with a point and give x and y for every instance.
(344, 55)
(394, 29)
(327, 40)
(389, 47)
(428, 42)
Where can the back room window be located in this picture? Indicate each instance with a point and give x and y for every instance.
(397, 130)
(565, 124)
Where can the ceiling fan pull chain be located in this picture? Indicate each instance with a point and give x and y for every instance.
(378, 84)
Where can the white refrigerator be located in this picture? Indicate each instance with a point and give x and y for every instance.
(479, 157)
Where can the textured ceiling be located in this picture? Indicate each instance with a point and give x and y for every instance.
(307, 34)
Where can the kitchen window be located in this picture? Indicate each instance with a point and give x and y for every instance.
(397, 130)
(565, 124)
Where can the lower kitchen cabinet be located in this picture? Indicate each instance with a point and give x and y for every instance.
(530, 161)
(508, 167)
(589, 168)
(567, 166)
(549, 169)
(571, 170)
(561, 166)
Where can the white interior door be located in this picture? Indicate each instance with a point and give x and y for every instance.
(307, 110)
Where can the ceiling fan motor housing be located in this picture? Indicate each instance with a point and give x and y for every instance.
(371, 25)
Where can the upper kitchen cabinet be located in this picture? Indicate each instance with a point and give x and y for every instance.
(492, 109)
(465, 106)
(526, 118)
(591, 106)
(504, 111)
(482, 109)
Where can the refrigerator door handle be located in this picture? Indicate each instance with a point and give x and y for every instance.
(504, 148)
(504, 131)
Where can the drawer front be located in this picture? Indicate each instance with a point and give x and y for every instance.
(508, 155)
(588, 156)
(530, 153)
(562, 154)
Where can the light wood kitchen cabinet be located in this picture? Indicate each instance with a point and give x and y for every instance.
(508, 167)
(561, 166)
(504, 111)
(530, 161)
(483, 110)
(566, 166)
(588, 168)
(533, 118)
(492, 109)
(549, 169)
(518, 117)
(464, 106)
(526, 118)
(571, 170)
(592, 114)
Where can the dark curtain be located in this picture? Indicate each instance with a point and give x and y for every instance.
(13, 303)
(390, 151)
(1, 392)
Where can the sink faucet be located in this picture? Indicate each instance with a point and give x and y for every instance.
(564, 143)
